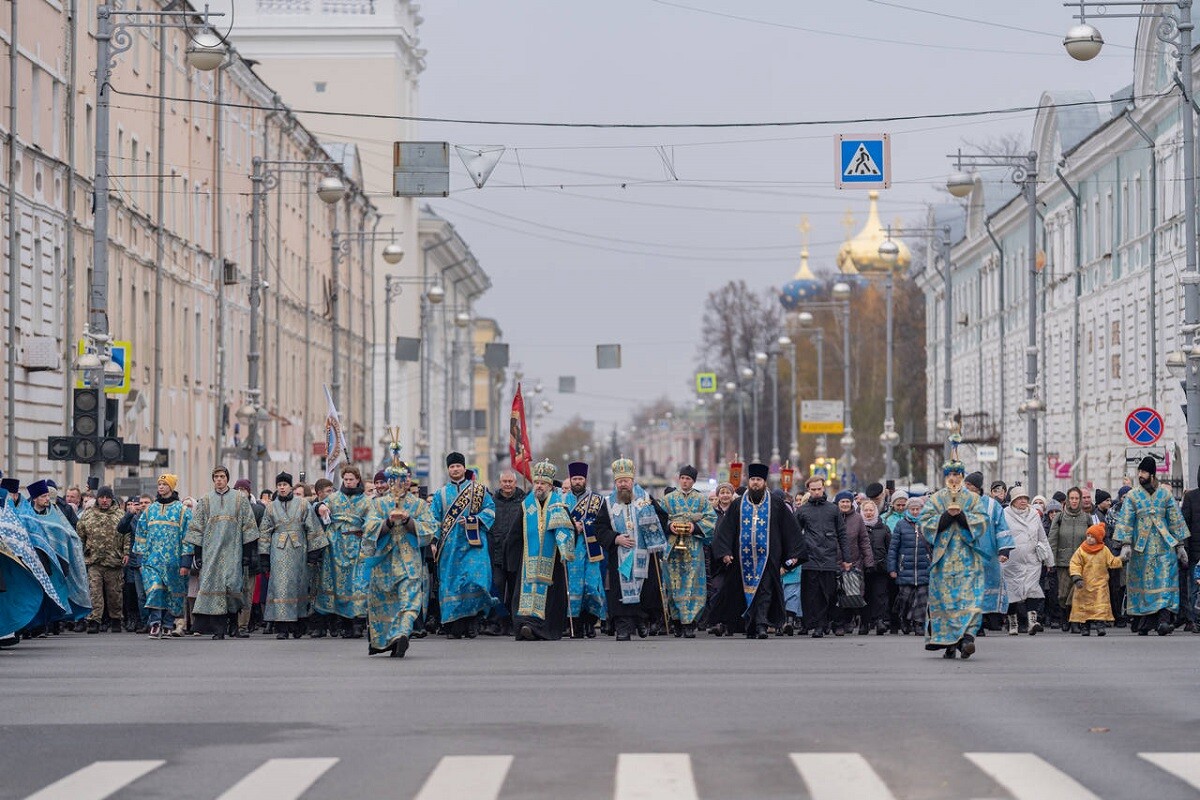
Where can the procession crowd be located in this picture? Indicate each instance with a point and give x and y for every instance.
(392, 562)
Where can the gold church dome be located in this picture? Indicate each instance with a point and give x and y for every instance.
(860, 255)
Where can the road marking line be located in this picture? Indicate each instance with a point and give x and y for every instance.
(96, 781)
(279, 779)
(459, 777)
(1029, 777)
(840, 776)
(655, 776)
(1185, 766)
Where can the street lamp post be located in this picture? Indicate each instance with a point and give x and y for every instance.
(773, 353)
(731, 386)
(719, 397)
(794, 449)
(889, 252)
(841, 293)
(760, 358)
(205, 52)
(1024, 174)
(1083, 42)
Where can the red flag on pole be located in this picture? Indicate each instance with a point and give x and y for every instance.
(518, 438)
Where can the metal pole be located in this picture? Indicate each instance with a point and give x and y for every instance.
(721, 428)
(889, 418)
(848, 446)
(1191, 279)
(335, 254)
(307, 315)
(160, 211)
(14, 227)
(775, 402)
(947, 333)
(741, 422)
(754, 402)
(257, 187)
(98, 296)
(387, 350)
(219, 250)
(1031, 348)
(794, 450)
(69, 244)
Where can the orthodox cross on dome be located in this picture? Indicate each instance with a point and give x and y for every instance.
(849, 223)
(804, 227)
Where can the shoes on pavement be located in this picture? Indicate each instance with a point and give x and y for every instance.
(155, 631)
(818, 634)
(9, 641)
(1087, 631)
(525, 634)
(951, 652)
(966, 647)
(689, 631)
(93, 627)
(399, 647)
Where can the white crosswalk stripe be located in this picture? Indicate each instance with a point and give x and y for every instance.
(1029, 777)
(655, 776)
(1185, 766)
(639, 776)
(96, 781)
(280, 779)
(840, 776)
(476, 777)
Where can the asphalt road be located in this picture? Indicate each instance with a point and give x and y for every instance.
(659, 718)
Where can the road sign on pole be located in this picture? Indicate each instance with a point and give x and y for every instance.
(863, 160)
(1144, 426)
(822, 416)
(706, 382)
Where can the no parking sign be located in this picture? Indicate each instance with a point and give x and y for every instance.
(1144, 426)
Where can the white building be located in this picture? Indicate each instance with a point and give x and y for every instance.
(1109, 296)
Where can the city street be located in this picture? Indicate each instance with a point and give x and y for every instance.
(1052, 716)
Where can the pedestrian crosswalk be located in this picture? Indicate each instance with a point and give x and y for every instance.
(638, 776)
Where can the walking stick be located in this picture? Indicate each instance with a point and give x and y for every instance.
(662, 592)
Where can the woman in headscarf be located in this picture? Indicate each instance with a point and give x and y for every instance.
(908, 565)
(1031, 555)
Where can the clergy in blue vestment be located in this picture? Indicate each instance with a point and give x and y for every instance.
(691, 521)
(290, 538)
(165, 559)
(585, 575)
(1150, 533)
(51, 532)
(548, 545)
(465, 512)
(954, 524)
(30, 596)
(400, 524)
(995, 540)
(342, 598)
(634, 542)
(224, 535)
(758, 538)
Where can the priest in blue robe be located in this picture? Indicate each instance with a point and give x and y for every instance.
(52, 533)
(758, 538)
(634, 543)
(224, 536)
(1150, 533)
(691, 521)
(399, 526)
(995, 538)
(585, 575)
(28, 591)
(465, 512)
(341, 600)
(954, 523)
(38, 559)
(548, 545)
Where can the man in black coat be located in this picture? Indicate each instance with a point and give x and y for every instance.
(762, 523)
(504, 546)
(824, 531)
(1187, 589)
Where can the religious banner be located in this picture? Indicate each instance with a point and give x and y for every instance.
(335, 439)
(518, 437)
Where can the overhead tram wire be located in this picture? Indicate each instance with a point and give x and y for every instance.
(985, 22)
(809, 123)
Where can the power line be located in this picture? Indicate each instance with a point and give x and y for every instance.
(807, 123)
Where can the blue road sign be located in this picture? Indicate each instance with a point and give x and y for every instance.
(1144, 426)
(864, 160)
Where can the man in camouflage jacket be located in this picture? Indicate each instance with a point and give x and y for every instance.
(105, 550)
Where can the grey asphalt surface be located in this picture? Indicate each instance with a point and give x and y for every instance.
(214, 711)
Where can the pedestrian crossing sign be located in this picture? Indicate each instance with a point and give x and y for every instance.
(864, 160)
(706, 382)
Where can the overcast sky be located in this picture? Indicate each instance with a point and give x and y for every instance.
(590, 237)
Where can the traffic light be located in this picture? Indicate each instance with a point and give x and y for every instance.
(112, 407)
(85, 417)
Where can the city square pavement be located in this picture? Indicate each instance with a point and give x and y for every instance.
(854, 718)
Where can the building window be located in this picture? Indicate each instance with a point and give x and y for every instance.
(1116, 333)
(1116, 366)
(319, 86)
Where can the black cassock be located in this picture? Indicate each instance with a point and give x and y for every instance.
(785, 544)
(650, 607)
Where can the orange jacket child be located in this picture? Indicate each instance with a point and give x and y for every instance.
(1089, 572)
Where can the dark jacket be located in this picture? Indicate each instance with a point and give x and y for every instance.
(1191, 515)
(1067, 532)
(824, 531)
(880, 536)
(909, 554)
(67, 511)
(861, 555)
(504, 539)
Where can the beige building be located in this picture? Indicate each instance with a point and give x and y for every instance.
(179, 254)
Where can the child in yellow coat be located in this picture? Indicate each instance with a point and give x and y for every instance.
(1089, 572)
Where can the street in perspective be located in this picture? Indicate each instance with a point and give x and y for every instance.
(659, 400)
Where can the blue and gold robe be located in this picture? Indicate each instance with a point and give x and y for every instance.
(287, 533)
(1153, 527)
(52, 533)
(396, 568)
(585, 575)
(957, 570)
(464, 570)
(30, 595)
(222, 525)
(548, 538)
(158, 540)
(684, 566)
(995, 539)
(343, 590)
